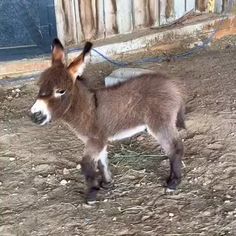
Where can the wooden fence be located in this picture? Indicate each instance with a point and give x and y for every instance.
(79, 20)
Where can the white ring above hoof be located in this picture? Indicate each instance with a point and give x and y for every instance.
(170, 190)
(91, 202)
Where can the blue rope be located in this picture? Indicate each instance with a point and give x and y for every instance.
(117, 63)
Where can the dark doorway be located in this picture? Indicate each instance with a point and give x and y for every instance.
(27, 28)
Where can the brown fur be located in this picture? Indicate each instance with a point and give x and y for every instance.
(151, 99)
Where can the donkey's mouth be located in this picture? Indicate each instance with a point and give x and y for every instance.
(39, 118)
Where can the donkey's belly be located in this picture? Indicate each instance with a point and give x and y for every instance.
(127, 133)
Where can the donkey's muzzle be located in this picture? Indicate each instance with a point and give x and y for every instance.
(38, 117)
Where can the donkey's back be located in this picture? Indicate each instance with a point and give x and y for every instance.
(148, 101)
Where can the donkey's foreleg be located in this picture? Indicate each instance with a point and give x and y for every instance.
(91, 174)
(94, 166)
(103, 167)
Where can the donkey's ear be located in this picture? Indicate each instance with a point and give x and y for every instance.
(58, 54)
(77, 66)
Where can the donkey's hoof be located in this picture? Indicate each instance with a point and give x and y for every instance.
(92, 196)
(172, 183)
(106, 185)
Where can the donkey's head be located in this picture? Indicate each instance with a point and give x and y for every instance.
(56, 85)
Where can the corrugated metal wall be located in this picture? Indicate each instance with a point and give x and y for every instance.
(79, 20)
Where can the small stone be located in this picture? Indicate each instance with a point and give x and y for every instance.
(78, 167)
(206, 213)
(145, 218)
(140, 138)
(114, 219)
(171, 214)
(131, 177)
(38, 180)
(227, 201)
(63, 182)
(215, 146)
(12, 158)
(65, 171)
(18, 90)
(10, 98)
(43, 168)
(105, 200)
(0, 183)
(17, 95)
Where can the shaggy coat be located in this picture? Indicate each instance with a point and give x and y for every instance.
(149, 102)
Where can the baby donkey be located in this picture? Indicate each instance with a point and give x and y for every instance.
(149, 102)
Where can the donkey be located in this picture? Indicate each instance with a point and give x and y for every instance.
(149, 102)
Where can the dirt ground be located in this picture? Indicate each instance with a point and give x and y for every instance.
(41, 186)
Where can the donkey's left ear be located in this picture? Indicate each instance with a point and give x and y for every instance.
(58, 54)
(77, 66)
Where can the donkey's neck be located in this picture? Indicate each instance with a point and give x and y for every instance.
(81, 113)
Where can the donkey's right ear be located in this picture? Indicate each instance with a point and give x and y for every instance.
(77, 66)
(58, 54)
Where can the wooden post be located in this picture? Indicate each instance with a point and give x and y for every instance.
(110, 11)
(201, 5)
(66, 22)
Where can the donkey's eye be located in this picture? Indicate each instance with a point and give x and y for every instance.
(60, 92)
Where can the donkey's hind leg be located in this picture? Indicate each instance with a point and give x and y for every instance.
(171, 143)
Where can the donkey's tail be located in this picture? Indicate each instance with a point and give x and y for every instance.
(180, 121)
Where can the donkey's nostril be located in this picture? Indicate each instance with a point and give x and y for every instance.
(38, 117)
(38, 114)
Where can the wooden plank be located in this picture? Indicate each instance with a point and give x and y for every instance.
(110, 9)
(79, 31)
(211, 6)
(190, 4)
(170, 6)
(201, 5)
(65, 21)
(163, 19)
(93, 28)
(167, 14)
(87, 19)
(179, 8)
(229, 6)
(140, 13)
(219, 6)
(100, 21)
(153, 8)
(124, 16)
